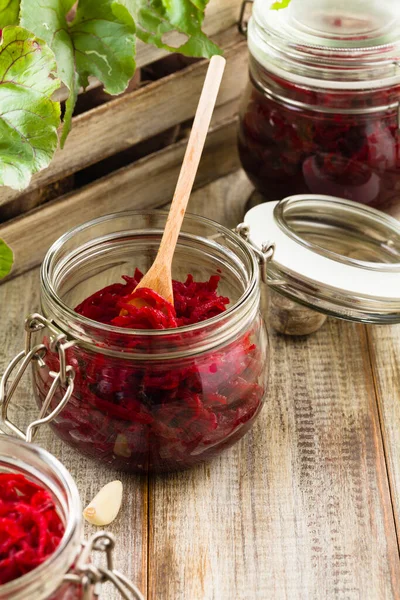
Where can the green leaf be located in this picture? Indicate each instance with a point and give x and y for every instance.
(28, 116)
(103, 35)
(99, 42)
(6, 259)
(9, 12)
(280, 4)
(155, 18)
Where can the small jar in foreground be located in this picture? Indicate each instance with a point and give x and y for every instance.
(49, 581)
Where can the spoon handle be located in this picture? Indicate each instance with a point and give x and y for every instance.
(192, 157)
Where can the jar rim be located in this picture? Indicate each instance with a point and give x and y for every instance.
(68, 312)
(295, 52)
(73, 519)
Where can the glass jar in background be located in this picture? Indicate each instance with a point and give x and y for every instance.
(321, 111)
(155, 400)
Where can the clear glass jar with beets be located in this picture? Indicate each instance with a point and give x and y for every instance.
(321, 111)
(154, 400)
(46, 582)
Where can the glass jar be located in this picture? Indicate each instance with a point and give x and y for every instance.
(68, 574)
(321, 111)
(46, 582)
(155, 399)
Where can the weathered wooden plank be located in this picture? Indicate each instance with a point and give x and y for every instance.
(384, 346)
(139, 115)
(301, 507)
(25, 203)
(21, 296)
(148, 183)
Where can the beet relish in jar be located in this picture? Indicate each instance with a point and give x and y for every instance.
(321, 111)
(43, 555)
(160, 388)
(40, 525)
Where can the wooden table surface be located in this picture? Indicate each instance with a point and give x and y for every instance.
(305, 507)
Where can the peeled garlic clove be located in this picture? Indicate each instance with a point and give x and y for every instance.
(105, 506)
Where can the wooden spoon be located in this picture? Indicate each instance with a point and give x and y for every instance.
(159, 276)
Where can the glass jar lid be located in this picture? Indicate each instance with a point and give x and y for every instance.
(330, 40)
(337, 256)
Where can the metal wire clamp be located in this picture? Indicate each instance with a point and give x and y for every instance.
(63, 379)
(264, 255)
(89, 575)
(243, 23)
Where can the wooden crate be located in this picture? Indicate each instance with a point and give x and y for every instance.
(147, 130)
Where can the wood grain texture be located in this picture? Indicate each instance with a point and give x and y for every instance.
(139, 115)
(384, 346)
(147, 183)
(300, 509)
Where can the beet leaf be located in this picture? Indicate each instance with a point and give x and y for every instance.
(155, 19)
(100, 41)
(6, 259)
(9, 11)
(28, 116)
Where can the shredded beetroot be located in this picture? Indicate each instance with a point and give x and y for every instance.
(30, 527)
(194, 302)
(159, 414)
(288, 150)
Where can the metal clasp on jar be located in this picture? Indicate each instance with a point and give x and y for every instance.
(90, 576)
(265, 254)
(243, 22)
(64, 378)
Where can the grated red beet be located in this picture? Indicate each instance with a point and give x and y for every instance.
(30, 527)
(194, 302)
(159, 414)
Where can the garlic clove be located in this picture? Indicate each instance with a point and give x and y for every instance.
(104, 507)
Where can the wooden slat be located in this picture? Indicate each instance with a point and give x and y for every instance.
(384, 344)
(301, 507)
(139, 115)
(21, 296)
(148, 183)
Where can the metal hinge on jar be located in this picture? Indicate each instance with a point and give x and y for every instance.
(62, 379)
(243, 22)
(265, 254)
(90, 576)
